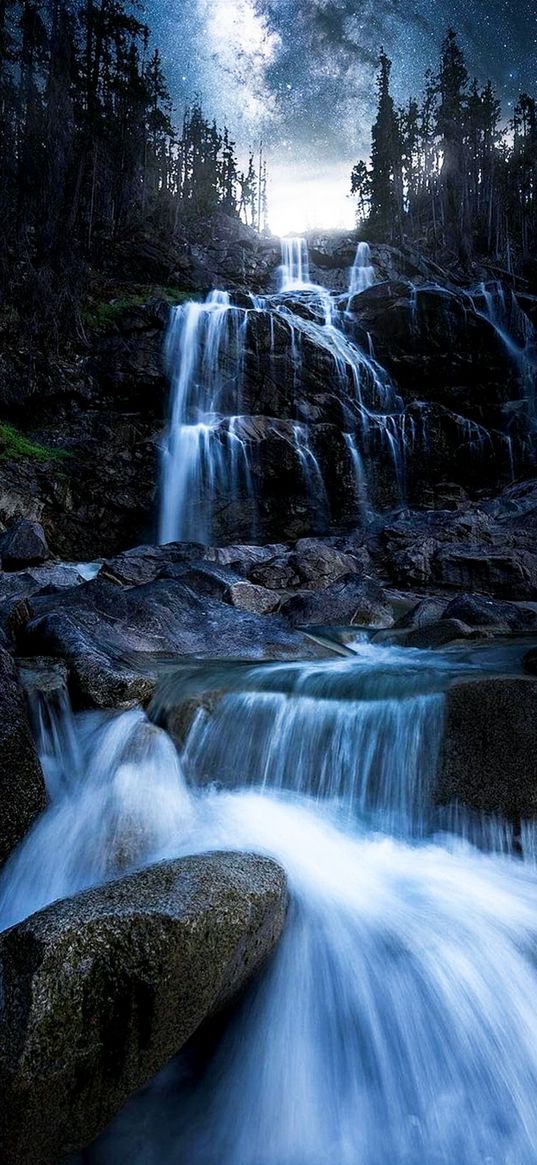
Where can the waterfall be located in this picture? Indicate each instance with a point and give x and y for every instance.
(359, 474)
(295, 268)
(216, 460)
(362, 272)
(209, 490)
(396, 1024)
(203, 455)
(331, 732)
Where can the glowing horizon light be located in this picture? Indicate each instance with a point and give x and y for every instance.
(310, 203)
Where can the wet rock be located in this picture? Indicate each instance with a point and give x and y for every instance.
(112, 636)
(510, 573)
(351, 601)
(480, 611)
(226, 585)
(441, 633)
(422, 614)
(529, 662)
(242, 558)
(489, 754)
(100, 674)
(311, 563)
(412, 565)
(23, 545)
(22, 787)
(17, 586)
(101, 990)
(43, 675)
(143, 564)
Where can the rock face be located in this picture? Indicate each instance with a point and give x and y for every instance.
(489, 756)
(22, 787)
(487, 547)
(101, 990)
(450, 402)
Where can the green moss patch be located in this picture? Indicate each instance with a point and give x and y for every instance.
(105, 315)
(14, 445)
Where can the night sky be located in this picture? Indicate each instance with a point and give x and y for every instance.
(300, 73)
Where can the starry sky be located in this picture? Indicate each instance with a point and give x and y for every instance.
(300, 74)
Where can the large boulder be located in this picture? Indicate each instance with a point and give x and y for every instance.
(508, 573)
(480, 611)
(312, 564)
(350, 601)
(101, 990)
(22, 786)
(489, 753)
(24, 544)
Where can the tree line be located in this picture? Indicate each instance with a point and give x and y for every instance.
(447, 172)
(89, 148)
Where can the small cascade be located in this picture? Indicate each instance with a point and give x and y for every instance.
(516, 332)
(117, 800)
(358, 473)
(365, 734)
(295, 268)
(362, 272)
(313, 478)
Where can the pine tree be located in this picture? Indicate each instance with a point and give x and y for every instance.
(361, 190)
(451, 126)
(386, 165)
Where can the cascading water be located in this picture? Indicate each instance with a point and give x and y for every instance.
(117, 799)
(215, 453)
(203, 454)
(295, 268)
(516, 333)
(207, 457)
(397, 1023)
(362, 273)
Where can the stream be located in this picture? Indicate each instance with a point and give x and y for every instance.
(396, 1022)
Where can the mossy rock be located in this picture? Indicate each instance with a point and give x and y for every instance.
(101, 990)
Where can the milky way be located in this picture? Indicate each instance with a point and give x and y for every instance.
(300, 73)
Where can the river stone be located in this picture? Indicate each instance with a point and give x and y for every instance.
(24, 545)
(350, 601)
(102, 989)
(489, 752)
(22, 787)
(529, 662)
(442, 632)
(480, 611)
